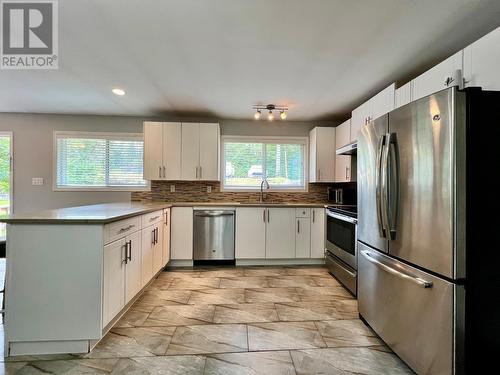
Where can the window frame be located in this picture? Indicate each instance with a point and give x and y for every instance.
(304, 141)
(10, 134)
(96, 135)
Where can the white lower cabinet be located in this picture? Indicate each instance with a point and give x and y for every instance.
(303, 237)
(317, 233)
(133, 268)
(166, 237)
(280, 235)
(158, 248)
(181, 240)
(250, 234)
(148, 238)
(114, 279)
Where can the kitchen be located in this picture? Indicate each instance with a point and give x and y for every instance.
(173, 221)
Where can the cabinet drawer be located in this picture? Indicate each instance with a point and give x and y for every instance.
(151, 218)
(122, 228)
(302, 212)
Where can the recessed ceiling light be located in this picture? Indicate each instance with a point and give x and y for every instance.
(118, 91)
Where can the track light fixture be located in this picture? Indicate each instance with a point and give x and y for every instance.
(270, 108)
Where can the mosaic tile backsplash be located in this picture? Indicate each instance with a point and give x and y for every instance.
(196, 191)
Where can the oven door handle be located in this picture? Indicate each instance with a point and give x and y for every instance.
(341, 217)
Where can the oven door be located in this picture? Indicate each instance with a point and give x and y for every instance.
(341, 237)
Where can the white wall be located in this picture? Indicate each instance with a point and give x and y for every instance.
(33, 148)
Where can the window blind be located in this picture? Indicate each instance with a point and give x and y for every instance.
(90, 160)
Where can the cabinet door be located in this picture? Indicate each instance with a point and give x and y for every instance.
(147, 235)
(481, 62)
(313, 171)
(359, 117)
(114, 280)
(250, 236)
(181, 234)
(303, 237)
(166, 237)
(343, 168)
(318, 233)
(190, 151)
(280, 233)
(403, 95)
(172, 150)
(158, 248)
(324, 155)
(133, 269)
(343, 134)
(153, 154)
(209, 152)
(383, 102)
(436, 78)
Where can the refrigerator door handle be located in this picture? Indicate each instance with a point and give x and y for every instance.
(417, 280)
(378, 176)
(393, 187)
(384, 182)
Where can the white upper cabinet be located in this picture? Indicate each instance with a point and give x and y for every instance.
(162, 150)
(153, 150)
(343, 172)
(482, 62)
(322, 154)
(175, 151)
(377, 106)
(445, 74)
(171, 150)
(403, 95)
(209, 152)
(383, 102)
(200, 151)
(359, 118)
(190, 151)
(343, 134)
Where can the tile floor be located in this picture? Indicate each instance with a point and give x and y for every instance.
(255, 320)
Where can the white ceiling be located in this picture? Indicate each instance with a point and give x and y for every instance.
(219, 57)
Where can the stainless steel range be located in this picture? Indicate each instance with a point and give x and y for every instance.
(341, 247)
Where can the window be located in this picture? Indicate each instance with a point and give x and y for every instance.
(247, 161)
(5, 177)
(99, 161)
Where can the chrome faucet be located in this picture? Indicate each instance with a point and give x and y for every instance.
(263, 196)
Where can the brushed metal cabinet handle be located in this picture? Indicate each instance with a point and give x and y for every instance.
(159, 172)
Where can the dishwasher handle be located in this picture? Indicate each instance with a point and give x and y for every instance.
(213, 213)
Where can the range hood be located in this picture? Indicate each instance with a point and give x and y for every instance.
(349, 149)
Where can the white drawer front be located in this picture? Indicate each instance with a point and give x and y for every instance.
(122, 228)
(302, 212)
(152, 218)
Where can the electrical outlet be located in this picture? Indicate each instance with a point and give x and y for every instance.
(209, 189)
(172, 188)
(37, 181)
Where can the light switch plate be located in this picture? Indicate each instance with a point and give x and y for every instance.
(37, 181)
(209, 189)
(172, 188)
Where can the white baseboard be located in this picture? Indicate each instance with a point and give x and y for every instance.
(180, 263)
(48, 347)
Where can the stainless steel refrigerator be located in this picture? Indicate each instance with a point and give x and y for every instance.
(419, 281)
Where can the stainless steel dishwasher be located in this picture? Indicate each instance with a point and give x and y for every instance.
(213, 236)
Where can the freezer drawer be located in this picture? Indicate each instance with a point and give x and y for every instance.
(412, 311)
